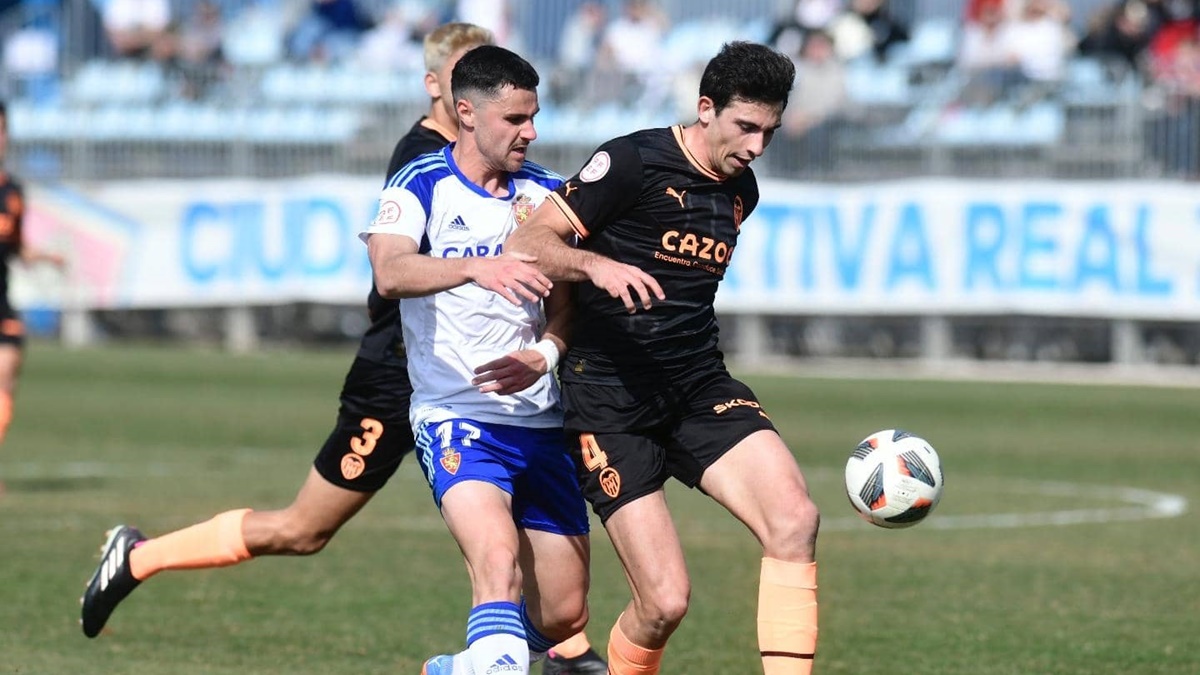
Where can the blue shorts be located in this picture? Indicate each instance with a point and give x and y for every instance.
(532, 465)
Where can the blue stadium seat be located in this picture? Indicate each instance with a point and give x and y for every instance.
(255, 36)
(101, 82)
(695, 41)
(869, 83)
(933, 41)
(1041, 124)
(965, 126)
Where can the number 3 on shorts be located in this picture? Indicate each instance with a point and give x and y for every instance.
(372, 430)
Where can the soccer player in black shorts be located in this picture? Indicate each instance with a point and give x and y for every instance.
(12, 245)
(646, 392)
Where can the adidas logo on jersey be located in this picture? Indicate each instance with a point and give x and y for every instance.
(504, 664)
(458, 224)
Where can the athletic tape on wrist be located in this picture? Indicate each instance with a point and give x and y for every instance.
(549, 350)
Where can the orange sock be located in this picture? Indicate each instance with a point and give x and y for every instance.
(6, 412)
(214, 543)
(626, 658)
(573, 646)
(787, 617)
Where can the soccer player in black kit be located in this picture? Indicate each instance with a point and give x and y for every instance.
(645, 388)
(12, 245)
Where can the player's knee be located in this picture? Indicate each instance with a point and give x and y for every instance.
(793, 533)
(664, 608)
(564, 620)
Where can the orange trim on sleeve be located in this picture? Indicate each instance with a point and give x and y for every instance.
(450, 135)
(678, 131)
(567, 211)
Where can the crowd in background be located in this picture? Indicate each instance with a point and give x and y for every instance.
(626, 51)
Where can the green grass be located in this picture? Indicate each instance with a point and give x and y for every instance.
(162, 438)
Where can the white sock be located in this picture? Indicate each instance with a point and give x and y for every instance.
(499, 654)
(462, 663)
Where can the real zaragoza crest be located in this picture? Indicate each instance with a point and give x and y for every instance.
(522, 208)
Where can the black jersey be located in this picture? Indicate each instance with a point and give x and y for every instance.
(644, 200)
(383, 341)
(424, 136)
(12, 209)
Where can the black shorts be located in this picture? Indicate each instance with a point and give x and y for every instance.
(372, 433)
(12, 330)
(627, 447)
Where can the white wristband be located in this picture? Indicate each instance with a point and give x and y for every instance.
(549, 350)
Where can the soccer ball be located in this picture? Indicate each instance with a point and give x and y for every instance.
(894, 479)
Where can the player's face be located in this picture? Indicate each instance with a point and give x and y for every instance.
(504, 128)
(443, 80)
(738, 134)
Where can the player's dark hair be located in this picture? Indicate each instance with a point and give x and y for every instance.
(487, 69)
(750, 72)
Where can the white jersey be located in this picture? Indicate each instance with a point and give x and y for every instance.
(449, 334)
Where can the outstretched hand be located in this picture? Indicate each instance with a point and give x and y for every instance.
(513, 277)
(510, 373)
(622, 281)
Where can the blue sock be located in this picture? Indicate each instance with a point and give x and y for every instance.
(496, 638)
(538, 644)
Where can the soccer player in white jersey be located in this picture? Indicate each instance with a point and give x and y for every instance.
(485, 403)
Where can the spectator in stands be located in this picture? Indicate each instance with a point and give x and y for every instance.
(987, 54)
(818, 103)
(1176, 74)
(579, 46)
(494, 15)
(138, 28)
(817, 14)
(867, 27)
(196, 47)
(1041, 39)
(1122, 31)
(329, 31)
(630, 50)
(396, 41)
(31, 59)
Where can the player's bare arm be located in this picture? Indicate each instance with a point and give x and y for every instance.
(401, 272)
(31, 256)
(545, 236)
(519, 370)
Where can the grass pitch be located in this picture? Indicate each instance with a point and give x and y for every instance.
(161, 438)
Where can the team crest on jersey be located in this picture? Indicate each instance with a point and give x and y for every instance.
(389, 212)
(451, 460)
(596, 168)
(522, 208)
(738, 210)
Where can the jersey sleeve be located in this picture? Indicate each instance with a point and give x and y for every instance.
(401, 211)
(605, 188)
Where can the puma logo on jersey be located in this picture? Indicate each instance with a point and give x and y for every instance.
(677, 195)
(568, 189)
